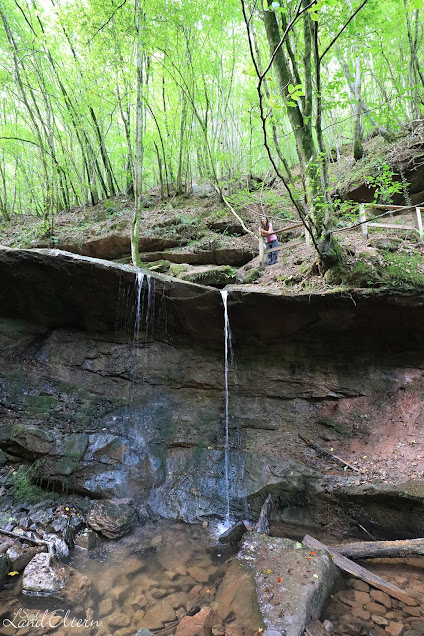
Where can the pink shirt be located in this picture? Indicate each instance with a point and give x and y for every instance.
(270, 237)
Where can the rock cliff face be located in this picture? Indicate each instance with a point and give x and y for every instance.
(116, 407)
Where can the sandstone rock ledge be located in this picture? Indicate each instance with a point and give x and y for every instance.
(292, 582)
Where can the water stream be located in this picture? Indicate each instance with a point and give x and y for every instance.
(227, 343)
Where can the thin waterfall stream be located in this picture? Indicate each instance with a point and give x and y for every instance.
(227, 341)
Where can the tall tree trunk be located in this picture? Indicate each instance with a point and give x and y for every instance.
(139, 142)
(179, 187)
(358, 130)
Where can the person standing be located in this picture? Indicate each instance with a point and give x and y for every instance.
(266, 230)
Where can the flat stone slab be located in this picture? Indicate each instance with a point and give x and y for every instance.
(292, 582)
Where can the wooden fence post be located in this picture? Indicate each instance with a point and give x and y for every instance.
(261, 251)
(307, 239)
(420, 223)
(362, 218)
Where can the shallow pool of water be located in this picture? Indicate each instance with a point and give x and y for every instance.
(151, 578)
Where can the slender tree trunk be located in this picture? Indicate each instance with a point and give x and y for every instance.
(358, 130)
(365, 110)
(179, 187)
(139, 127)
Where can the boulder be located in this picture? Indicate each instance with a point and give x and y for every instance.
(200, 624)
(220, 275)
(87, 540)
(227, 226)
(233, 535)
(45, 576)
(113, 518)
(20, 555)
(296, 579)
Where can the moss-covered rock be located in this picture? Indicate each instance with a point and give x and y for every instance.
(161, 266)
(252, 275)
(213, 275)
(39, 404)
(178, 268)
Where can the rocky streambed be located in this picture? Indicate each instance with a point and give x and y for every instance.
(165, 577)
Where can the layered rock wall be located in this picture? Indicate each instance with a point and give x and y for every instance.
(111, 414)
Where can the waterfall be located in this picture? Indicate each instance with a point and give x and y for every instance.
(139, 290)
(135, 444)
(227, 341)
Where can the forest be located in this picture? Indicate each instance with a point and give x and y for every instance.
(101, 98)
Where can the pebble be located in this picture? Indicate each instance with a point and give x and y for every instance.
(199, 574)
(379, 620)
(361, 613)
(362, 598)
(418, 626)
(361, 586)
(381, 597)
(395, 629)
(412, 611)
(375, 608)
(396, 615)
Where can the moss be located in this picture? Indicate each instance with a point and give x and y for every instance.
(403, 269)
(39, 404)
(24, 486)
(74, 449)
(252, 275)
(177, 269)
(363, 273)
(160, 266)
(219, 275)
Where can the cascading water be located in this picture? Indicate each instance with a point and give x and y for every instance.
(227, 341)
(139, 290)
(135, 445)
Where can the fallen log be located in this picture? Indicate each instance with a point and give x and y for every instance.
(24, 537)
(373, 549)
(356, 570)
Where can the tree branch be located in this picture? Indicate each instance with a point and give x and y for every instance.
(342, 29)
(106, 23)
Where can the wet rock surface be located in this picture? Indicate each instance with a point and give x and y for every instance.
(113, 518)
(108, 419)
(45, 576)
(292, 582)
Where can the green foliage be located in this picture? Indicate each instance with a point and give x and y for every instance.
(385, 183)
(24, 486)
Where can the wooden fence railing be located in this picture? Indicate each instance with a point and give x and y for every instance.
(396, 210)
